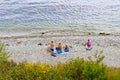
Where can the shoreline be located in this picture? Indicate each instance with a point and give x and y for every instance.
(58, 34)
(26, 32)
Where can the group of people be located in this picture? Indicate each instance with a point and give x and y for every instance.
(60, 49)
(57, 50)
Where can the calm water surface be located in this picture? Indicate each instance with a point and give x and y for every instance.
(103, 14)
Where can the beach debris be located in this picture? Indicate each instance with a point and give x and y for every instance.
(40, 44)
(42, 33)
(76, 42)
(70, 46)
(6, 44)
(103, 34)
(19, 42)
(89, 33)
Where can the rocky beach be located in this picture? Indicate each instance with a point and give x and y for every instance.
(33, 48)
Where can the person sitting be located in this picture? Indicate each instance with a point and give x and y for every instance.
(88, 45)
(51, 48)
(66, 48)
(59, 48)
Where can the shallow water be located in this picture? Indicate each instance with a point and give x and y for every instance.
(101, 15)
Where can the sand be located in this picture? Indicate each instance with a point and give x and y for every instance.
(26, 48)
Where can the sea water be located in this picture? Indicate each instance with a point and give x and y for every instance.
(29, 16)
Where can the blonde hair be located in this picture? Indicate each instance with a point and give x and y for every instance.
(59, 46)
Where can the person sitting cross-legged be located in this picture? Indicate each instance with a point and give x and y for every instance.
(59, 48)
(66, 48)
(51, 48)
(88, 45)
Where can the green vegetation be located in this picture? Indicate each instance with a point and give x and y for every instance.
(3, 54)
(77, 69)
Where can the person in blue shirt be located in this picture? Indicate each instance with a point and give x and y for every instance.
(66, 48)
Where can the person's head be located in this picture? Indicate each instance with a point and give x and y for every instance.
(66, 46)
(51, 44)
(52, 41)
(88, 39)
(59, 46)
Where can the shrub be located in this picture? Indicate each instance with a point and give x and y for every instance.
(113, 74)
(79, 69)
(74, 69)
(3, 54)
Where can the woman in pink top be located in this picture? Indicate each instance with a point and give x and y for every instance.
(88, 45)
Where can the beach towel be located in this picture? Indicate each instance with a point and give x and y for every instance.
(88, 47)
(66, 50)
(59, 51)
(56, 51)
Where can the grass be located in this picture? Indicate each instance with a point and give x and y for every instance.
(3, 54)
(77, 69)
